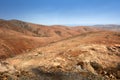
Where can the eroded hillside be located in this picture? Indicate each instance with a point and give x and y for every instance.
(92, 55)
(17, 37)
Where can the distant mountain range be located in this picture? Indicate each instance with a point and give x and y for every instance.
(109, 27)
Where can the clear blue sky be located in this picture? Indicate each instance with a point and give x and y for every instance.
(83, 12)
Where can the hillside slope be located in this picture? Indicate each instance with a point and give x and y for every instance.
(16, 36)
(92, 55)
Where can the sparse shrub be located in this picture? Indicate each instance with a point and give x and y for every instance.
(40, 52)
(96, 66)
(118, 66)
(58, 32)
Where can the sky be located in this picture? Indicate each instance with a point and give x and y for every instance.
(64, 12)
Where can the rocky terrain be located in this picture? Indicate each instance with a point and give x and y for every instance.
(78, 53)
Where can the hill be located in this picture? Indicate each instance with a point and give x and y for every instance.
(17, 37)
(58, 52)
(92, 55)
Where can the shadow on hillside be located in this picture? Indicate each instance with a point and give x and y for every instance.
(59, 75)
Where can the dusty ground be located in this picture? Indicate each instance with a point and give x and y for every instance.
(93, 55)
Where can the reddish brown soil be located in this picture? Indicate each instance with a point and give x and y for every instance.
(84, 50)
(16, 37)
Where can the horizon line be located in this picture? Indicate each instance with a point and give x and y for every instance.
(62, 24)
